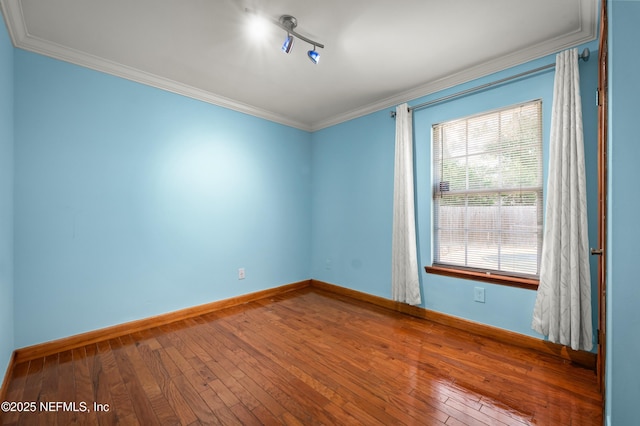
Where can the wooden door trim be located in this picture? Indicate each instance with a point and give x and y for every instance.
(602, 192)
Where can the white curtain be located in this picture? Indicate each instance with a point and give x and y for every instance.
(405, 285)
(563, 304)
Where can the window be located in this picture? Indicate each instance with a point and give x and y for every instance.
(487, 197)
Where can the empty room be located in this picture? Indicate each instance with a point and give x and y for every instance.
(297, 212)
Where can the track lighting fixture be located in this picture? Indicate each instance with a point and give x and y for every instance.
(289, 23)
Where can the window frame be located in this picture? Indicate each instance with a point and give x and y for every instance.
(514, 279)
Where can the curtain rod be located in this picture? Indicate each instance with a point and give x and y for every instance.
(584, 56)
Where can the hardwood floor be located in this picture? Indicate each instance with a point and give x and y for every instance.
(302, 358)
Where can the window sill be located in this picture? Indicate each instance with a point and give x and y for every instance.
(528, 283)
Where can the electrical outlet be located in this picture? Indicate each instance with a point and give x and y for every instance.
(478, 294)
(241, 274)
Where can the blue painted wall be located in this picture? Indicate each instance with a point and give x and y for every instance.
(6, 199)
(132, 201)
(623, 289)
(352, 166)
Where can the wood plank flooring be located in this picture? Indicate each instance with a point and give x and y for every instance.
(302, 358)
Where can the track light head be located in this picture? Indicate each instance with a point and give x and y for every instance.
(313, 55)
(288, 44)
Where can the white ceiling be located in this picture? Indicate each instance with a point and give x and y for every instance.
(378, 53)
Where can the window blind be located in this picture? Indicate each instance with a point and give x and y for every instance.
(488, 191)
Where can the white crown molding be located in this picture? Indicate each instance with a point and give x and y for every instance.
(587, 32)
(12, 12)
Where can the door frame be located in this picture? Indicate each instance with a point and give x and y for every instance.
(602, 193)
